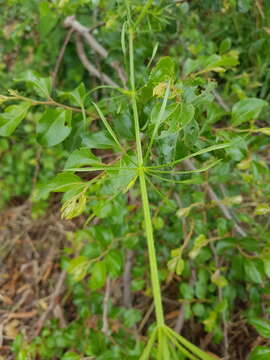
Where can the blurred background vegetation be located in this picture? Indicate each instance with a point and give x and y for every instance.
(221, 299)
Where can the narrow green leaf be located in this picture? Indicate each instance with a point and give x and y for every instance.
(123, 37)
(147, 350)
(200, 152)
(107, 125)
(185, 172)
(194, 349)
(159, 119)
(153, 54)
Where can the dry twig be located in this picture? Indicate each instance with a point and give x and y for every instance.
(127, 279)
(60, 56)
(71, 22)
(105, 327)
(53, 301)
(90, 67)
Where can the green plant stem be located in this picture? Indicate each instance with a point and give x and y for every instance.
(151, 250)
(133, 100)
(49, 102)
(144, 194)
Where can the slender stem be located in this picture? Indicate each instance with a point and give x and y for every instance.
(49, 102)
(151, 250)
(133, 99)
(144, 195)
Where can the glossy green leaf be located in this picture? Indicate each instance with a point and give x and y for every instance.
(122, 178)
(259, 353)
(177, 116)
(266, 263)
(74, 206)
(254, 270)
(12, 117)
(246, 110)
(199, 243)
(107, 125)
(219, 280)
(48, 18)
(163, 71)
(78, 267)
(99, 140)
(262, 326)
(81, 157)
(42, 85)
(214, 62)
(114, 263)
(98, 275)
(54, 126)
(225, 45)
(78, 95)
(64, 182)
(191, 133)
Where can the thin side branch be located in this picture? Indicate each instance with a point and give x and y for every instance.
(60, 56)
(220, 101)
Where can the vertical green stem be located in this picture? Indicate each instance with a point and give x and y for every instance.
(144, 194)
(133, 99)
(151, 251)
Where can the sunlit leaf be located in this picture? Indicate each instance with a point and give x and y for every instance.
(262, 326)
(54, 126)
(81, 157)
(98, 275)
(12, 117)
(42, 85)
(246, 110)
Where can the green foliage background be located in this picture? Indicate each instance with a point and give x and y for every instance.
(219, 61)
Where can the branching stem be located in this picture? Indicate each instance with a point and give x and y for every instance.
(143, 188)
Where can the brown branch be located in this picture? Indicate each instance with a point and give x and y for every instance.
(127, 279)
(71, 22)
(60, 56)
(105, 327)
(220, 101)
(53, 302)
(89, 67)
